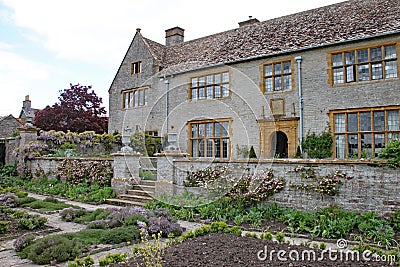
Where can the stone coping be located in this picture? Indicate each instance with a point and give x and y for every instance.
(73, 158)
(286, 161)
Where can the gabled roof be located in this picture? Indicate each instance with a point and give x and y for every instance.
(346, 21)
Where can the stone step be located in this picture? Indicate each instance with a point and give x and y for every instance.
(146, 188)
(123, 202)
(147, 182)
(136, 198)
(140, 192)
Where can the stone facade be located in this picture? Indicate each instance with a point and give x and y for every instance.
(256, 117)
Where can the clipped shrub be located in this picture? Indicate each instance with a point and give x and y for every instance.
(54, 248)
(98, 224)
(22, 242)
(120, 234)
(162, 224)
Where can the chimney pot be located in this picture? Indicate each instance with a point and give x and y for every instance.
(251, 20)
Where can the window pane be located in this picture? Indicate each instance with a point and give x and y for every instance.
(201, 148)
(339, 123)
(287, 67)
(268, 84)
(131, 99)
(377, 71)
(217, 78)
(225, 91)
(338, 77)
(202, 93)
(337, 60)
(217, 129)
(365, 121)
(217, 91)
(379, 121)
(351, 74)
(287, 82)
(201, 130)
(278, 83)
(363, 73)
(209, 129)
(209, 148)
(195, 148)
(225, 148)
(366, 145)
(141, 97)
(391, 69)
(393, 120)
(194, 82)
(353, 145)
(146, 97)
(209, 80)
(202, 81)
(350, 57)
(390, 51)
(268, 70)
(194, 94)
(136, 97)
(277, 68)
(209, 92)
(126, 103)
(379, 143)
(362, 55)
(340, 146)
(393, 136)
(352, 123)
(225, 77)
(194, 130)
(225, 127)
(376, 53)
(217, 148)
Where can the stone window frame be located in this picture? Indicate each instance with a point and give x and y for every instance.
(359, 131)
(129, 100)
(136, 67)
(349, 69)
(202, 83)
(274, 75)
(205, 138)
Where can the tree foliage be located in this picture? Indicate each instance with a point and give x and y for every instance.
(79, 109)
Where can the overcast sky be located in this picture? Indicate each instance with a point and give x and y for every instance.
(47, 44)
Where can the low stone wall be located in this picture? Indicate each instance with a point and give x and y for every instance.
(48, 166)
(371, 187)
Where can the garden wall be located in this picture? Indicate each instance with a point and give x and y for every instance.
(48, 166)
(369, 187)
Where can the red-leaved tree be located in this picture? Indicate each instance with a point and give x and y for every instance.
(79, 110)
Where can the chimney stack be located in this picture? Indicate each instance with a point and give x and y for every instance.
(26, 105)
(251, 20)
(174, 36)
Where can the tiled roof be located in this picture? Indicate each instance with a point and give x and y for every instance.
(350, 20)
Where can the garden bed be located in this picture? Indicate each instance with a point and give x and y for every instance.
(220, 249)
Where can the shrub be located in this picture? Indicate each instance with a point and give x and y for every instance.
(318, 146)
(280, 237)
(8, 171)
(9, 200)
(69, 214)
(395, 220)
(99, 224)
(113, 258)
(119, 235)
(23, 241)
(4, 226)
(392, 153)
(55, 247)
(30, 222)
(161, 224)
(85, 262)
(132, 220)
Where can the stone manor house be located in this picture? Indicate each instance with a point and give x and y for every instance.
(268, 84)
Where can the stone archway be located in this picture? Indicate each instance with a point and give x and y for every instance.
(279, 145)
(287, 127)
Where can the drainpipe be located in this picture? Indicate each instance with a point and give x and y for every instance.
(299, 60)
(166, 82)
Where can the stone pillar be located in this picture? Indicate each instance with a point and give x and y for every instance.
(126, 171)
(166, 172)
(28, 134)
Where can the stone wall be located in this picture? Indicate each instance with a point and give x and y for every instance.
(371, 188)
(48, 166)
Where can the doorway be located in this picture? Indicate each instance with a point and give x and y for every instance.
(279, 145)
(2, 152)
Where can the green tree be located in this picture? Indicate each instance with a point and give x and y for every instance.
(318, 146)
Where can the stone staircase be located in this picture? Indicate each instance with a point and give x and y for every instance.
(139, 195)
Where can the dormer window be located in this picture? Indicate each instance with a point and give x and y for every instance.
(136, 67)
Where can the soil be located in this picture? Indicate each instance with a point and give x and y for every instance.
(13, 230)
(233, 250)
